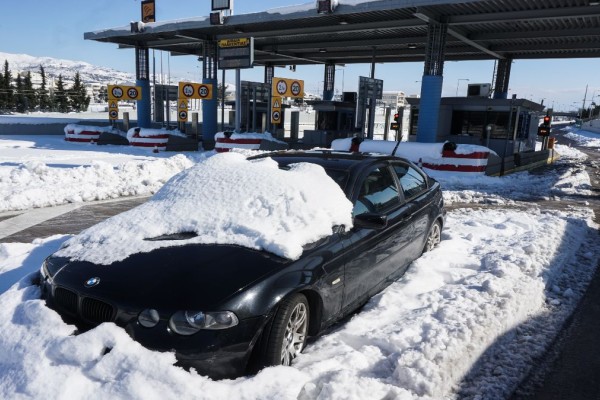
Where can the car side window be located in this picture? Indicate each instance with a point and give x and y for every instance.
(378, 192)
(412, 182)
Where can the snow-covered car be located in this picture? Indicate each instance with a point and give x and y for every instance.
(236, 261)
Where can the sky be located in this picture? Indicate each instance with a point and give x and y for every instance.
(55, 29)
(486, 302)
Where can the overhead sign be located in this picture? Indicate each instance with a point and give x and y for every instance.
(120, 92)
(201, 91)
(283, 87)
(235, 53)
(148, 11)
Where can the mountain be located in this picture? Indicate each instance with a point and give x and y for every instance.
(53, 67)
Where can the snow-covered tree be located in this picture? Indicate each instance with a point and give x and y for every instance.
(78, 98)
(61, 100)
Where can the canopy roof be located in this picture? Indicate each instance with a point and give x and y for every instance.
(387, 31)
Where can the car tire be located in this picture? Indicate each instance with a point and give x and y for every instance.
(288, 331)
(433, 237)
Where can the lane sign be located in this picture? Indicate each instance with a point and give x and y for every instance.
(287, 87)
(199, 91)
(281, 87)
(116, 92)
(113, 114)
(183, 115)
(188, 90)
(276, 117)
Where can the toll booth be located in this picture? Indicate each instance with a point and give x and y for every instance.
(333, 120)
(506, 126)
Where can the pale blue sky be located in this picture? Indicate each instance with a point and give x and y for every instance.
(55, 29)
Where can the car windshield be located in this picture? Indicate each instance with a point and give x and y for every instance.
(340, 177)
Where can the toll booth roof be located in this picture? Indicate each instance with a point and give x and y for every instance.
(385, 31)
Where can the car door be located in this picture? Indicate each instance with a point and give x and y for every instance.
(377, 254)
(418, 199)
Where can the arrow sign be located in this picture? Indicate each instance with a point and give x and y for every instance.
(183, 116)
(113, 114)
(275, 117)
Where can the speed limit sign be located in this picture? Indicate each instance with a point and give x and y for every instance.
(203, 91)
(188, 90)
(296, 88)
(132, 93)
(281, 87)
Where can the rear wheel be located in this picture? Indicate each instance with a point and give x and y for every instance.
(289, 329)
(434, 237)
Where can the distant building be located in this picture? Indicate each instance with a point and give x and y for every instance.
(395, 100)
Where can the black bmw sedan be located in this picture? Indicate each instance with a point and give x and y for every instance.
(228, 310)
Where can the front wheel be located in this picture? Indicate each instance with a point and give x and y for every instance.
(289, 330)
(434, 237)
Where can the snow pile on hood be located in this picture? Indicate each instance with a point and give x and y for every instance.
(258, 206)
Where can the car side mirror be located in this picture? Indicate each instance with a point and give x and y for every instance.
(370, 221)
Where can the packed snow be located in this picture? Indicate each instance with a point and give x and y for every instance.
(465, 321)
(583, 137)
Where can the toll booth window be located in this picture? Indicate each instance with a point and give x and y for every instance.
(378, 193)
(412, 182)
(327, 120)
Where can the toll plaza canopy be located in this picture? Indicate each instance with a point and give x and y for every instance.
(363, 31)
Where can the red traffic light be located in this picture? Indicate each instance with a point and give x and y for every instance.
(547, 120)
(396, 117)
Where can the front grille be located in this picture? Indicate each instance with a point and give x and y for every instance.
(66, 300)
(96, 311)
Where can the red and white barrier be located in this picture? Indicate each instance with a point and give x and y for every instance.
(464, 159)
(149, 138)
(248, 141)
(82, 133)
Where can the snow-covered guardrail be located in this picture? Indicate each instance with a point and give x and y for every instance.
(463, 158)
(84, 133)
(225, 141)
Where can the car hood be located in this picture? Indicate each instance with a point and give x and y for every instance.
(190, 276)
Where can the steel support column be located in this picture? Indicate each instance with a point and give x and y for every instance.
(269, 73)
(329, 82)
(142, 79)
(502, 78)
(431, 84)
(209, 76)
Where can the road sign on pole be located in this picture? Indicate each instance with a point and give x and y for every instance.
(283, 87)
(199, 91)
(121, 92)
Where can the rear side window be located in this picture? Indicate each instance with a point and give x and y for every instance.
(378, 192)
(412, 182)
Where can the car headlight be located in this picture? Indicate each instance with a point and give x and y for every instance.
(51, 266)
(149, 318)
(190, 322)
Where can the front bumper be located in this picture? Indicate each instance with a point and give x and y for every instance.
(218, 354)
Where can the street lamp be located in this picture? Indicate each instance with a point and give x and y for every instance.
(458, 83)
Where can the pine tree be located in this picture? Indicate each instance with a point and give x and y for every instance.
(43, 99)
(30, 94)
(78, 98)
(19, 98)
(7, 88)
(2, 96)
(60, 95)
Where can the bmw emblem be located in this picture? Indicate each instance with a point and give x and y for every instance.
(92, 282)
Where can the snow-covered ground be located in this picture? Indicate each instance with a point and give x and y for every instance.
(583, 137)
(467, 320)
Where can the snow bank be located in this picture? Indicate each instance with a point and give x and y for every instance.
(78, 129)
(148, 132)
(493, 273)
(257, 205)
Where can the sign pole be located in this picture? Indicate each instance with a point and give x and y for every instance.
(238, 100)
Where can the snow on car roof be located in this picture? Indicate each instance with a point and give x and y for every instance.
(225, 199)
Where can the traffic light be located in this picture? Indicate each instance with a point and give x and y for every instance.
(547, 120)
(396, 124)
